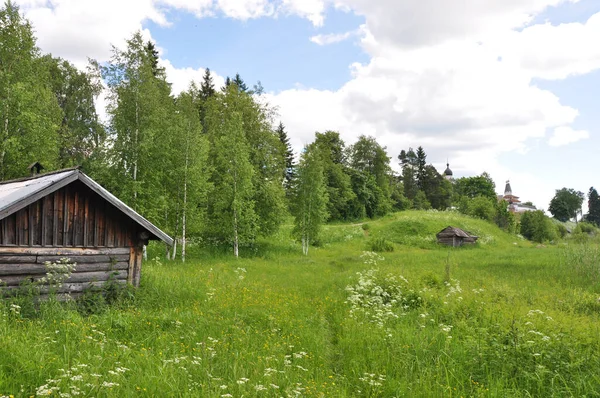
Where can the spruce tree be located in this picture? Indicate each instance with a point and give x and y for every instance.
(207, 87)
(239, 82)
(288, 157)
(593, 215)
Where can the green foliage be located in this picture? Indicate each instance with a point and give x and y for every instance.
(593, 215)
(310, 198)
(339, 185)
(288, 155)
(231, 211)
(537, 227)
(380, 244)
(562, 230)
(511, 321)
(566, 204)
(472, 187)
(585, 228)
(482, 207)
(420, 201)
(29, 113)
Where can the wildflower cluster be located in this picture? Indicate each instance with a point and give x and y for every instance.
(379, 298)
(241, 273)
(79, 381)
(58, 272)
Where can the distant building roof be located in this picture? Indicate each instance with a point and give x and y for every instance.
(507, 189)
(17, 194)
(448, 172)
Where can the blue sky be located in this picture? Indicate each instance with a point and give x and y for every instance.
(407, 72)
(276, 51)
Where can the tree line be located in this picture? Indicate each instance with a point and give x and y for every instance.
(206, 163)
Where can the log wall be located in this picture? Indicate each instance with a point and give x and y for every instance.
(94, 266)
(73, 216)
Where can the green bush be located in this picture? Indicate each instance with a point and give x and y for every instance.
(562, 230)
(585, 228)
(380, 244)
(536, 227)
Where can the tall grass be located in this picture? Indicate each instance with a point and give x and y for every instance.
(502, 318)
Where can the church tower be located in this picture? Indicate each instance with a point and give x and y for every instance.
(448, 173)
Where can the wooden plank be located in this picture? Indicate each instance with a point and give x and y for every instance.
(36, 269)
(66, 215)
(75, 210)
(96, 223)
(76, 277)
(44, 222)
(13, 208)
(131, 264)
(137, 272)
(17, 259)
(4, 232)
(67, 287)
(62, 251)
(86, 213)
(107, 224)
(30, 224)
(85, 259)
(55, 222)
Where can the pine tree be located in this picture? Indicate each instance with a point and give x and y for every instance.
(288, 156)
(152, 53)
(420, 166)
(310, 198)
(593, 215)
(207, 87)
(239, 82)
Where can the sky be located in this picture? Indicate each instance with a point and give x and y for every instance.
(509, 87)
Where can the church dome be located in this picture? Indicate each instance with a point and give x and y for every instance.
(448, 172)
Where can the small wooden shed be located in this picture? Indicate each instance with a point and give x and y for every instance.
(453, 236)
(66, 214)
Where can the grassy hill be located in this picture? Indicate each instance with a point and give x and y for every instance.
(501, 318)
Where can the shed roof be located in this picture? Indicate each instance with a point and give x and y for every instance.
(17, 194)
(455, 231)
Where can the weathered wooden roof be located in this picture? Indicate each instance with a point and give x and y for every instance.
(454, 231)
(17, 194)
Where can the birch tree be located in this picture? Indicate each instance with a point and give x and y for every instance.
(310, 200)
(141, 126)
(191, 167)
(231, 215)
(29, 113)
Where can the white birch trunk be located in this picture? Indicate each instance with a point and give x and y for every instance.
(144, 253)
(174, 255)
(135, 151)
(183, 219)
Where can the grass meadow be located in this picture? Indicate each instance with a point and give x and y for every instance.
(504, 318)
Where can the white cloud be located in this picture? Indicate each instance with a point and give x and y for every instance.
(565, 135)
(180, 78)
(333, 38)
(313, 10)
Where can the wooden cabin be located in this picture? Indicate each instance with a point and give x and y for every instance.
(66, 214)
(455, 237)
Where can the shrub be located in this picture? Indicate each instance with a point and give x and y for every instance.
(585, 228)
(481, 207)
(380, 244)
(536, 227)
(562, 230)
